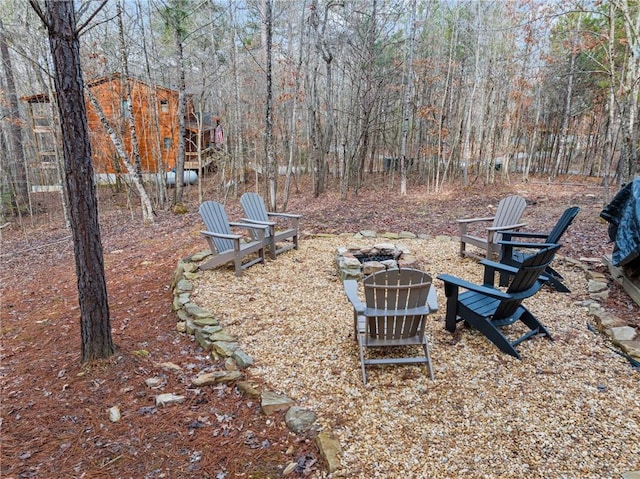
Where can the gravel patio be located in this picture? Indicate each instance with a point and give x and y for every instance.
(569, 409)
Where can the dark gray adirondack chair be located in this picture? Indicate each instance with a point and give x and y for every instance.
(278, 240)
(513, 252)
(224, 244)
(394, 313)
(489, 309)
(507, 217)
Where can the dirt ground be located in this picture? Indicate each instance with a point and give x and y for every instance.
(55, 421)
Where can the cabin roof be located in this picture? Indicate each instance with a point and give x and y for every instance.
(44, 98)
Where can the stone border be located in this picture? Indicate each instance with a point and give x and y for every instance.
(211, 336)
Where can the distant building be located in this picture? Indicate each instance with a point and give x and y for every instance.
(154, 109)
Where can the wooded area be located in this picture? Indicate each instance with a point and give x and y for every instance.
(424, 91)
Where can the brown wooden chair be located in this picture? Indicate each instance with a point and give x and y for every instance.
(277, 240)
(394, 313)
(224, 244)
(507, 217)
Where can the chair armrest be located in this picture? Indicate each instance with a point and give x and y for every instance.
(221, 235)
(452, 280)
(522, 234)
(473, 220)
(284, 215)
(261, 229)
(432, 299)
(506, 227)
(499, 266)
(261, 223)
(351, 290)
(520, 244)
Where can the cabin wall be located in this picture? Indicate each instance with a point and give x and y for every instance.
(155, 114)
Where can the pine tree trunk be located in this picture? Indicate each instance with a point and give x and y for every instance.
(95, 323)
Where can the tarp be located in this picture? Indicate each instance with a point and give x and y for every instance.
(623, 215)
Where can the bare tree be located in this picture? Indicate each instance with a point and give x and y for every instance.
(95, 324)
(20, 191)
(270, 152)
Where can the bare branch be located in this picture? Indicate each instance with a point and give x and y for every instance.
(36, 7)
(97, 10)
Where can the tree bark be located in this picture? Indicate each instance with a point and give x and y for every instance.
(95, 325)
(271, 157)
(19, 177)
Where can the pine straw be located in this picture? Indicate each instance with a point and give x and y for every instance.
(569, 408)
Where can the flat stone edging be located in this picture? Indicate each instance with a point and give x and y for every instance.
(211, 336)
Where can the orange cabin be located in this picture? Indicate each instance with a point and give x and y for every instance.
(154, 109)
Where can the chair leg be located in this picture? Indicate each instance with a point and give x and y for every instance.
(428, 356)
(361, 347)
(237, 263)
(532, 322)
(493, 334)
(463, 232)
(451, 292)
(272, 248)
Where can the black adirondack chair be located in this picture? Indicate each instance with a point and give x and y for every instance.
(489, 309)
(514, 253)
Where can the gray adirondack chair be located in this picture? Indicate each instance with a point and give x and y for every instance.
(514, 253)
(507, 217)
(394, 313)
(277, 240)
(489, 309)
(224, 244)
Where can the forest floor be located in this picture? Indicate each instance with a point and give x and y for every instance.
(54, 412)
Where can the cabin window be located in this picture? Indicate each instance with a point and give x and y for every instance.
(164, 106)
(167, 143)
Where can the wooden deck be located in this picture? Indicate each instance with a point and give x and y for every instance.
(210, 157)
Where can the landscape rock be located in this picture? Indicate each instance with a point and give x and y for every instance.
(248, 388)
(242, 359)
(623, 333)
(272, 402)
(169, 399)
(330, 450)
(299, 420)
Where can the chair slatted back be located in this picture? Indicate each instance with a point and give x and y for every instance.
(509, 211)
(563, 223)
(526, 280)
(396, 303)
(215, 220)
(254, 207)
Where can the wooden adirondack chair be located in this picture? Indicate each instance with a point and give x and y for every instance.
(394, 313)
(514, 253)
(507, 217)
(224, 244)
(278, 241)
(489, 309)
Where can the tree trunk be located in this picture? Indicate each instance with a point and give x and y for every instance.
(407, 102)
(271, 157)
(182, 126)
(95, 323)
(17, 166)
